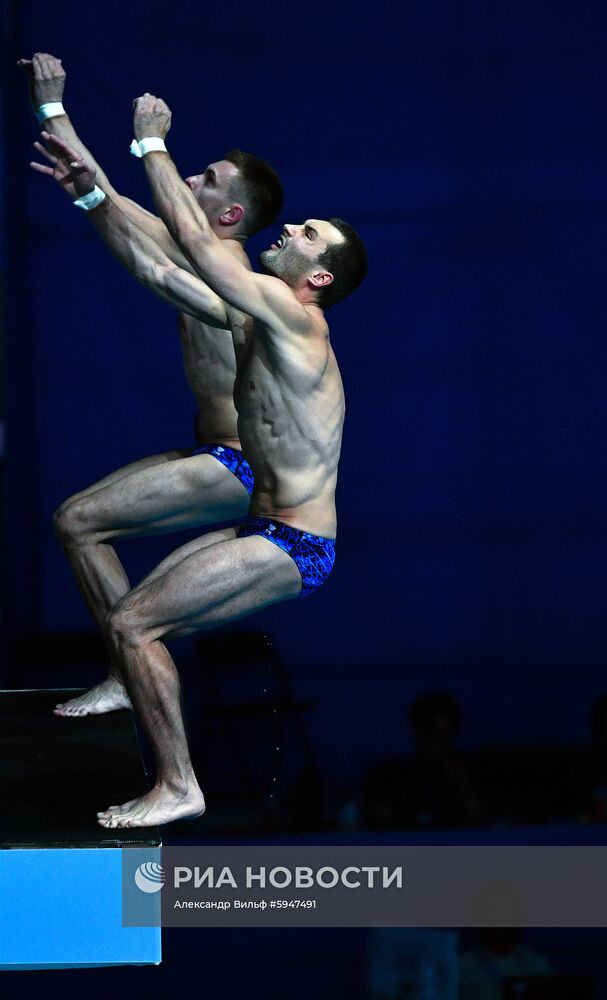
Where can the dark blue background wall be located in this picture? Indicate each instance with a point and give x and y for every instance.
(467, 143)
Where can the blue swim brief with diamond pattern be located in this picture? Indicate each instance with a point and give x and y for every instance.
(313, 555)
(233, 460)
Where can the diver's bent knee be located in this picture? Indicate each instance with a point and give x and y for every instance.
(72, 521)
(123, 624)
(63, 521)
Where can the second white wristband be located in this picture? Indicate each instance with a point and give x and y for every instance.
(150, 144)
(50, 110)
(90, 200)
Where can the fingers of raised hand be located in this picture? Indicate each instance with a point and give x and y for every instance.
(48, 66)
(41, 169)
(60, 146)
(45, 153)
(146, 102)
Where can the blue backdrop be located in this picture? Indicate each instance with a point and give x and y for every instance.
(466, 141)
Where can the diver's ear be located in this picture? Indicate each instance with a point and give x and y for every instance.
(320, 279)
(232, 215)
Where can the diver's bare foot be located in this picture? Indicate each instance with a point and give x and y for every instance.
(108, 696)
(161, 805)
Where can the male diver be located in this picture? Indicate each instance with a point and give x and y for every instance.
(180, 489)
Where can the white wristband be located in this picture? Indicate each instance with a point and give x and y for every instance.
(51, 110)
(90, 200)
(150, 144)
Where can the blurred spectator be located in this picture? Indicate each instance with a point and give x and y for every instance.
(407, 962)
(432, 787)
(499, 955)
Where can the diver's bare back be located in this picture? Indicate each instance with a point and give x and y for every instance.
(210, 369)
(291, 412)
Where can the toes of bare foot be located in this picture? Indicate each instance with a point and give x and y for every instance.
(108, 696)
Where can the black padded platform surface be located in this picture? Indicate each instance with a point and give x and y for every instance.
(56, 774)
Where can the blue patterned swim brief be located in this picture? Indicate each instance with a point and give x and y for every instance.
(314, 556)
(233, 460)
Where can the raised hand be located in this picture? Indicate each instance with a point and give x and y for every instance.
(151, 116)
(45, 77)
(70, 170)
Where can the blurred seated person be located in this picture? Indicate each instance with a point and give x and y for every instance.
(433, 786)
(498, 956)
